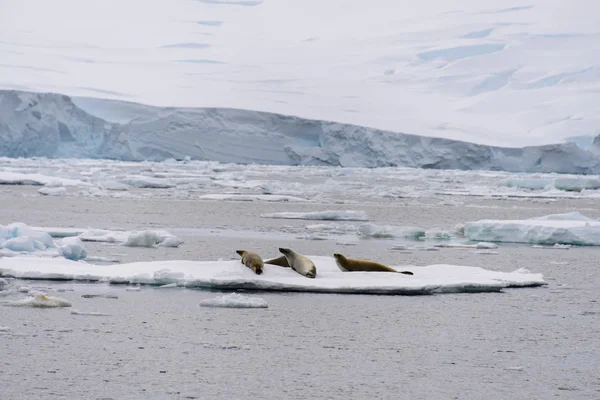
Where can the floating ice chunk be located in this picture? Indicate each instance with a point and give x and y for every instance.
(570, 216)
(438, 234)
(23, 244)
(53, 191)
(168, 285)
(251, 197)
(235, 300)
(113, 185)
(576, 184)
(23, 289)
(480, 245)
(101, 235)
(171, 242)
(536, 231)
(5, 329)
(16, 178)
(41, 301)
(91, 313)
(133, 288)
(145, 182)
(388, 231)
(531, 184)
(142, 239)
(557, 246)
(72, 248)
(18, 229)
(232, 275)
(330, 215)
(3, 283)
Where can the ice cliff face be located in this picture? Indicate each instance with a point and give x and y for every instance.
(52, 125)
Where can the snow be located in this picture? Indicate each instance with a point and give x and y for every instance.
(329, 215)
(231, 275)
(469, 70)
(40, 300)
(563, 229)
(235, 300)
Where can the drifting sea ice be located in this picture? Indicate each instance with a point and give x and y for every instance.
(232, 275)
(567, 229)
(235, 300)
(40, 300)
(329, 215)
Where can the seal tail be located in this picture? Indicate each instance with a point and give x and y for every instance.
(405, 272)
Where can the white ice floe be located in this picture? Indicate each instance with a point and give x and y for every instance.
(3, 283)
(72, 248)
(480, 245)
(53, 191)
(565, 229)
(36, 179)
(251, 197)
(329, 215)
(146, 238)
(388, 231)
(40, 300)
(568, 184)
(90, 313)
(232, 275)
(235, 300)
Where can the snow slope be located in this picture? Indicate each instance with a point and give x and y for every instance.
(497, 72)
(53, 125)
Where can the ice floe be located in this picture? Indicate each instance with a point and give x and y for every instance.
(90, 313)
(251, 197)
(329, 215)
(53, 191)
(18, 238)
(232, 275)
(40, 300)
(563, 229)
(235, 300)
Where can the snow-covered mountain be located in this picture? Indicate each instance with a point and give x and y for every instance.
(53, 125)
(497, 72)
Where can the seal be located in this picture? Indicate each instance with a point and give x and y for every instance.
(281, 261)
(299, 263)
(351, 265)
(252, 261)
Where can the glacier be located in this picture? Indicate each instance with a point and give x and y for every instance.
(58, 126)
(498, 72)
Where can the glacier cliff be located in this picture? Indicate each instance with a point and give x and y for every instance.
(54, 125)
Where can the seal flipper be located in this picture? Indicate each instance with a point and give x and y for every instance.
(405, 272)
(280, 261)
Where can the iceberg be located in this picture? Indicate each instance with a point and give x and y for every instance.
(232, 275)
(54, 126)
(562, 229)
